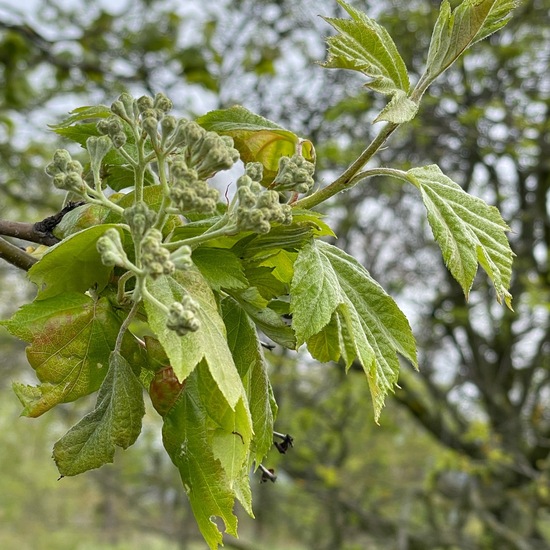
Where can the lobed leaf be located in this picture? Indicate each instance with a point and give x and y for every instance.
(468, 231)
(115, 421)
(220, 267)
(249, 359)
(265, 318)
(456, 30)
(71, 337)
(209, 342)
(256, 138)
(206, 439)
(332, 294)
(365, 46)
(73, 264)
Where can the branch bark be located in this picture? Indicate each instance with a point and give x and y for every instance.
(28, 232)
(15, 256)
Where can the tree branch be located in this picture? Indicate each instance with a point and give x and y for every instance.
(39, 232)
(15, 256)
(27, 231)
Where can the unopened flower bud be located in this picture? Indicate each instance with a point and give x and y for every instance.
(98, 147)
(144, 103)
(75, 183)
(119, 140)
(59, 164)
(155, 259)
(193, 133)
(254, 170)
(167, 126)
(140, 218)
(182, 316)
(295, 174)
(163, 103)
(150, 125)
(110, 248)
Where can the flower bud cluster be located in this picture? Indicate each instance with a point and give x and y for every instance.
(207, 152)
(140, 218)
(295, 174)
(113, 128)
(190, 193)
(110, 248)
(182, 316)
(154, 258)
(258, 207)
(66, 172)
(153, 112)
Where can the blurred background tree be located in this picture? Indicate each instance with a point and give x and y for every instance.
(461, 459)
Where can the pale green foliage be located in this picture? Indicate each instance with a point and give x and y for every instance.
(331, 289)
(468, 231)
(115, 421)
(75, 264)
(365, 46)
(209, 343)
(456, 30)
(202, 276)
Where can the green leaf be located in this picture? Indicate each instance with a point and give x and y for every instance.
(221, 268)
(371, 326)
(71, 337)
(115, 421)
(456, 30)
(231, 433)
(363, 45)
(325, 344)
(498, 17)
(256, 138)
(468, 231)
(209, 342)
(81, 114)
(263, 279)
(82, 217)
(73, 264)
(204, 455)
(265, 318)
(249, 359)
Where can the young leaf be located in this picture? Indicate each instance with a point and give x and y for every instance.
(220, 267)
(325, 344)
(82, 114)
(265, 318)
(187, 437)
(71, 337)
(372, 327)
(82, 217)
(256, 138)
(74, 264)
(468, 231)
(249, 359)
(116, 420)
(363, 45)
(209, 342)
(457, 30)
(231, 434)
